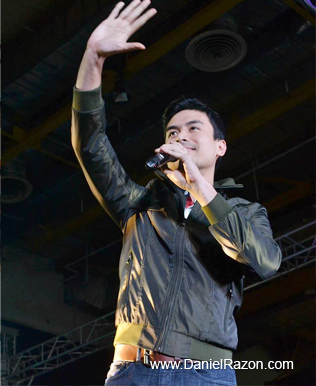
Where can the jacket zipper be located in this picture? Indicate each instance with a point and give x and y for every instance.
(176, 277)
(229, 296)
(175, 282)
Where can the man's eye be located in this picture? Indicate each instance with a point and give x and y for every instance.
(194, 128)
(172, 133)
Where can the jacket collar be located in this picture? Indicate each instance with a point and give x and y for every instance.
(227, 183)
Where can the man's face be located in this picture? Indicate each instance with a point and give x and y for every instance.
(195, 132)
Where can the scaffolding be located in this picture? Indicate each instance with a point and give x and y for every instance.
(8, 349)
(297, 247)
(298, 250)
(87, 339)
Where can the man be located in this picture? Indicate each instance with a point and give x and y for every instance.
(181, 269)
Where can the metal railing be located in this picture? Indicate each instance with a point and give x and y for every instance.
(296, 246)
(59, 351)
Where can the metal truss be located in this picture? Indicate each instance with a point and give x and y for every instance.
(297, 247)
(59, 351)
(8, 349)
(298, 250)
(8, 343)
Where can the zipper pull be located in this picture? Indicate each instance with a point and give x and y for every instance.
(230, 291)
(130, 257)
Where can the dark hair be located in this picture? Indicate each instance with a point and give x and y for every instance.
(184, 103)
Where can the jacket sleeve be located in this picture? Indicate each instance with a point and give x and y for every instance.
(247, 239)
(109, 183)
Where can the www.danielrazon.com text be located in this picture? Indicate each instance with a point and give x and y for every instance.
(224, 364)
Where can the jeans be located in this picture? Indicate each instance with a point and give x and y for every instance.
(137, 374)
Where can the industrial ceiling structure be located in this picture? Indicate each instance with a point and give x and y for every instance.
(253, 61)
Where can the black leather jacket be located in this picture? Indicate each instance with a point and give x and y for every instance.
(181, 280)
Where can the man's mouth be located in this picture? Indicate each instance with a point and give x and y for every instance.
(189, 147)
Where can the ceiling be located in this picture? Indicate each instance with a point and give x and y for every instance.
(267, 101)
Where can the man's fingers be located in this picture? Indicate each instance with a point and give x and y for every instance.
(143, 19)
(116, 10)
(177, 178)
(175, 149)
(122, 47)
(174, 165)
(137, 11)
(130, 8)
(133, 46)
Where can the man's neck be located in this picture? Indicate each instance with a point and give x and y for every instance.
(208, 175)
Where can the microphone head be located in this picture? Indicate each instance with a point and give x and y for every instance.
(158, 160)
(152, 163)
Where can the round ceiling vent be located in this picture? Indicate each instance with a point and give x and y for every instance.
(14, 187)
(216, 50)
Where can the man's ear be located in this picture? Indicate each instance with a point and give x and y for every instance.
(221, 148)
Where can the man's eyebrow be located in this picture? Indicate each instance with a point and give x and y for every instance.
(194, 121)
(174, 127)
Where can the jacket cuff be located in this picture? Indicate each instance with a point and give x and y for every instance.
(217, 209)
(87, 100)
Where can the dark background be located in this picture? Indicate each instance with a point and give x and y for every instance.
(267, 101)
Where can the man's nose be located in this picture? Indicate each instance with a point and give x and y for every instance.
(182, 137)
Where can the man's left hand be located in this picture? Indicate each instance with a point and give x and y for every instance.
(186, 175)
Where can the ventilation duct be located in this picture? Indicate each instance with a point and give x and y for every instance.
(216, 50)
(14, 186)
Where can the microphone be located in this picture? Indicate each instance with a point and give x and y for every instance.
(158, 160)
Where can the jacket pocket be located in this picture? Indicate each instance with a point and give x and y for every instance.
(129, 266)
(227, 313)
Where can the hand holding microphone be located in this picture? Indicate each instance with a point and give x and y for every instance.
(158, 160)
(183, 170)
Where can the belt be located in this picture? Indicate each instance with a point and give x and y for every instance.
(129, 353)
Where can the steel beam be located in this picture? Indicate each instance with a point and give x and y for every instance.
(301, 190)
(271, 111)
(300, 10)
(133, 66)
(298, 250)
(98, 334)
(178, 35)
(61, 350)
(245, 126)
(71, 226)
(57, 25)
(279, 289)
(18, 136)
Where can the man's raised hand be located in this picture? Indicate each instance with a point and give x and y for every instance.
(111, 36)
